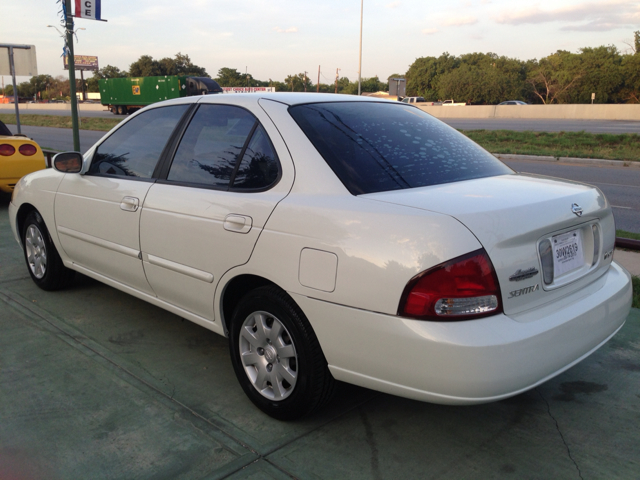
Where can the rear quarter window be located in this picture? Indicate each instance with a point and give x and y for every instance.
(375, 147)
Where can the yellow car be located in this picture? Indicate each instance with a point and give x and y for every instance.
(19, 155)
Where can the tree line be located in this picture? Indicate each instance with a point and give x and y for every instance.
(475, 78)
(562, 77)
(45, 87)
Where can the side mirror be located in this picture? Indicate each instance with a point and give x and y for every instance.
(68, 162)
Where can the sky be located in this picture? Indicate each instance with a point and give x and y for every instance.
(275, 38)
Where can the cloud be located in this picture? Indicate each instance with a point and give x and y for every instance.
(430, 31)
(288, 30)
(395, 4)
(459, 21)
(588, 16)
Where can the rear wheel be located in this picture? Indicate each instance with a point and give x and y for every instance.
(277, 357)
(43, 261)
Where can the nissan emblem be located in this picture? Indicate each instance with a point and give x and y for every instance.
(577, 209)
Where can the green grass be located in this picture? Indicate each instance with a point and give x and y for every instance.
(625, 234)
(59, 121)
(560, 144)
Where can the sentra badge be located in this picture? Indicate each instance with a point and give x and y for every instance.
(523, 291)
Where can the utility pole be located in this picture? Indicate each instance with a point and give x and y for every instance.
(305, 81)
(72, 77)
(360, 64)
(337, 70)
(318, 85)
(84, 94)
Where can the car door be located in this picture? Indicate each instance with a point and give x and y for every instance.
(98, 213)
(205, 217)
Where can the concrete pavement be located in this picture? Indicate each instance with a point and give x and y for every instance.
(97, 384)
(629, 260)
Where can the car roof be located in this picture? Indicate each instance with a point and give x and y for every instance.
(297, 98)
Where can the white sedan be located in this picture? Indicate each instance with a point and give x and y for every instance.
(334, 238)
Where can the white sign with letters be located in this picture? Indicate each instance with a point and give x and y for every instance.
(91, 9)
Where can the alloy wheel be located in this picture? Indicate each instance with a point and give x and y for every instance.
(36, 251)
(268, 356)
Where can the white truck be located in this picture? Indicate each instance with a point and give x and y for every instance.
(424, 102)
(451, 103)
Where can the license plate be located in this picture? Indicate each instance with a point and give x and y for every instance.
(567, 252)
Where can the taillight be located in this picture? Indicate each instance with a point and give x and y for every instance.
(7, 150)
(27, 149)
(461, 289)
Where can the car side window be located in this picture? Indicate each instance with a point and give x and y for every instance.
(259, 165)
(134, 149)
(224, 142)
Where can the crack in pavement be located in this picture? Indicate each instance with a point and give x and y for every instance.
(560, 432)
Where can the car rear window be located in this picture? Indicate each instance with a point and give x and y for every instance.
(376, 147)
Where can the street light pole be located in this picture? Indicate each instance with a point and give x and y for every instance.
(360, 64)
(72, 77)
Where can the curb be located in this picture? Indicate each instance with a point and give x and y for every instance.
(628, 243)
(587, 161)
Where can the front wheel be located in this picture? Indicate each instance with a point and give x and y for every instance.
(277, 357)
(43, 261)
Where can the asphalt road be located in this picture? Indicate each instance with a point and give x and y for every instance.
(544, 125)
(60, 139)
(66, 112)
(620, 185)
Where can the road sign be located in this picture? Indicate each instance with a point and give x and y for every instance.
(82, 62)
(24, 60)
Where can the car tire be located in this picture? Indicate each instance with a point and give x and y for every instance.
(277, 357)
(43, 261)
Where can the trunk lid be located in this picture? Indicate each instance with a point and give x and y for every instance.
(513, 216)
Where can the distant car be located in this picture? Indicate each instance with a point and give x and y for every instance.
(19, 156)
(413, 100)
(334, 237)
(513, 102)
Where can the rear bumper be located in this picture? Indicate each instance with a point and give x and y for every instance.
(471, 361)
